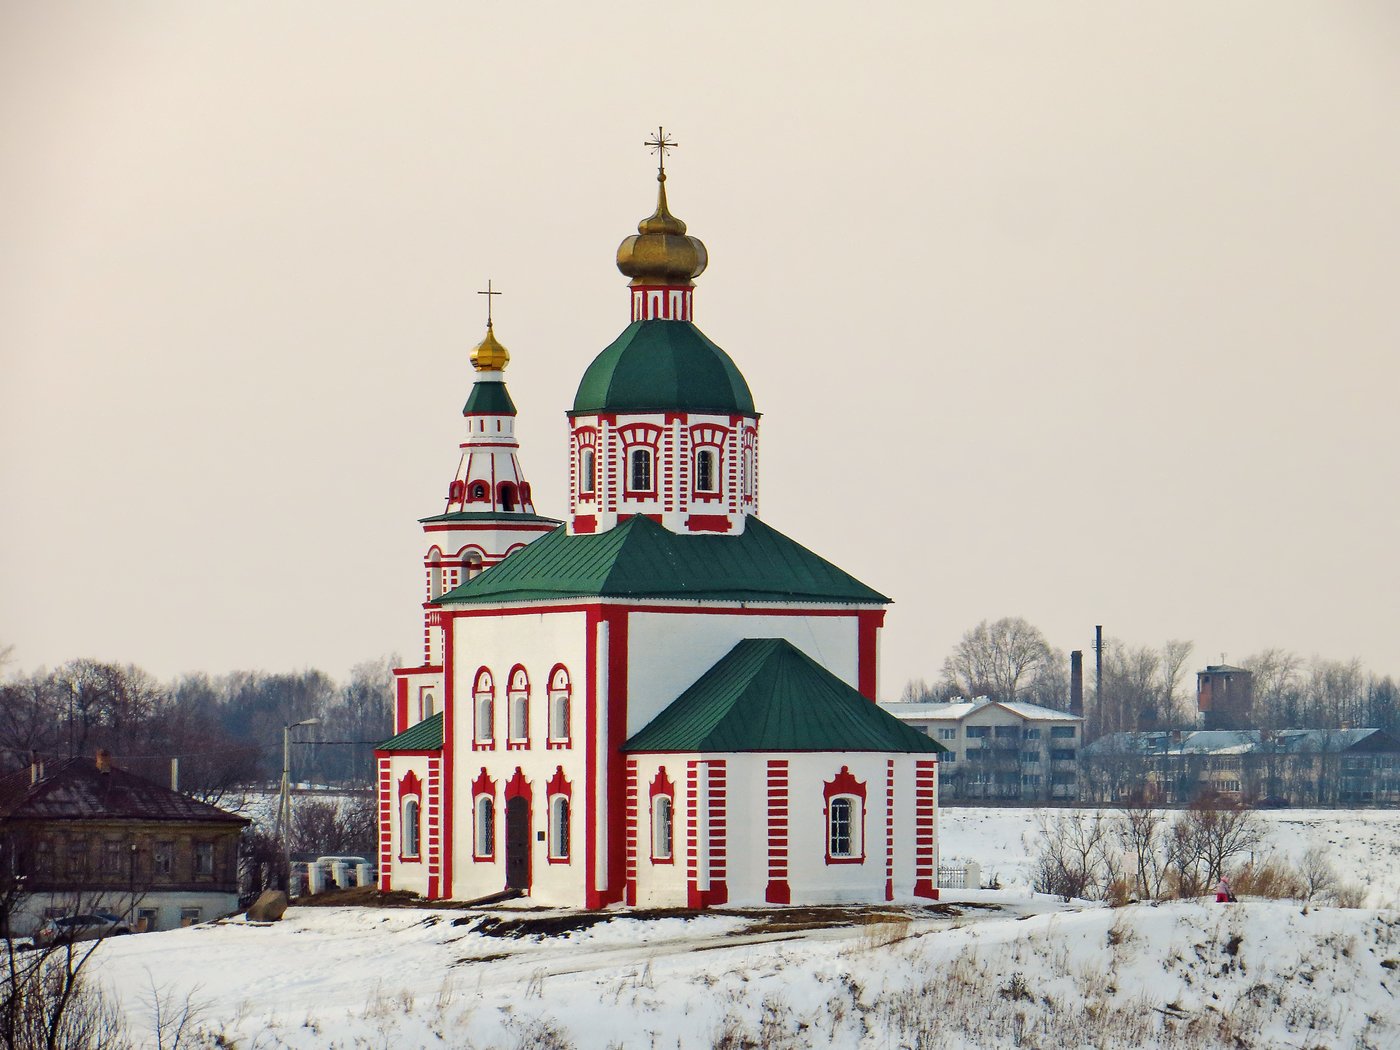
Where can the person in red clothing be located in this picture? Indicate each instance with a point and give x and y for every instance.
(1222, 891)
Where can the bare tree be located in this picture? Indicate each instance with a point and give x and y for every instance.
(1177, 708)
(1141, 833)
(1074, 856)
(997, 659)
(1215, 833)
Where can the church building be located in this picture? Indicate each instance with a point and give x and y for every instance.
(662, 700)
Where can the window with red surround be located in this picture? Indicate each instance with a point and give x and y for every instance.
(639, 444)
(663, 823)
(560, 702)
(410, 808)
(518, 715)
(559, 793)
(845, 818)
(585, 443)
(483, 817)
(484, 711)
(707, 457)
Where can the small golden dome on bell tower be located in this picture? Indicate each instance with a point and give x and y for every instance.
(490, 355)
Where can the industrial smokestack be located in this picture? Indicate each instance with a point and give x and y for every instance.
(1076, 682)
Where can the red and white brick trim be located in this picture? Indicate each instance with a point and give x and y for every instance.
(925, 801)
(778, 891)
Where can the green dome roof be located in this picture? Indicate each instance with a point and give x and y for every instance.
(663, 366)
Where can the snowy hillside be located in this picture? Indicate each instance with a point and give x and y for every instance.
(984, 969)
(1185, 974)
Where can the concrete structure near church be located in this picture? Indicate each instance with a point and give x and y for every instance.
(662, 701)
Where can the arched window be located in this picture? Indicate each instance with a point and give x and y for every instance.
(587, 477)
(485, 696)
(661, 835)
(559, 828)
(845, 818)
(842, 827)
(559, 706)
(640, 470)
(427, 703)
(706, 477)
(434, 574)
(472, 562)
(478, 491)
(519, 695)
(505, 491)
(409, 838)
(485, 843)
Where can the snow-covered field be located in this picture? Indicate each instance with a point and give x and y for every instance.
(1363, 844)
(993, 969)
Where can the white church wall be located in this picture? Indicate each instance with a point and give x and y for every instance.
(538, 642)
(812, 879)
(659, 669)
(661, 884)
(407, 873)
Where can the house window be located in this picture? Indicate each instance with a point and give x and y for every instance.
(163, 858)
(484, 692)
(410, 828)
(77, 857)
(559, 706)
(1062, 732)
(1033, 734)
(43, 858)
(706, 476)
(1062, 755)
(519, 728)
(976, 732)
(112, 858)
(661, 827)
(948, 734)
(559, 828)
(1007, 732)
(1030, 756)
(587, 476)
(485, 827)
(204, 858)
(640, 470)
(951, 756)
(189, 916)
(841, 827)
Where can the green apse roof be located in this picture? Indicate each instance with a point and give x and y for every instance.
(641, 559)
(425, 736)
(488, 399)
(663, 365)
(768, 695)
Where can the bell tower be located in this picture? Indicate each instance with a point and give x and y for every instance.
(489, 514)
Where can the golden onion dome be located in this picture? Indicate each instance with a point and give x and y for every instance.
(490, 355)
(660, 252)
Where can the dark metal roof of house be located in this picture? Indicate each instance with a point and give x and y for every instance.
(75, 789)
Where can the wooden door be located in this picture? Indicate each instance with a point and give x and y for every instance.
(518, 844)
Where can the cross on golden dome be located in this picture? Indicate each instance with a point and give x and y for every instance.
(488, 293)
(659, 144)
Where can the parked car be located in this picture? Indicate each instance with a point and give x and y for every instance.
(87, 927)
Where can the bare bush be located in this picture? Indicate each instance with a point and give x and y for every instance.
(1319, 877)
(1271, 879)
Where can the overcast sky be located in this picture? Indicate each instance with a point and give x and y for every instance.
(1086, 313)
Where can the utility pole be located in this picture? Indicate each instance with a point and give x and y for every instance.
(284, 812)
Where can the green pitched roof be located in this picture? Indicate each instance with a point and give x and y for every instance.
(641, 559)
(425, 736)
(489, 399)
(663, 365)
(768, 695)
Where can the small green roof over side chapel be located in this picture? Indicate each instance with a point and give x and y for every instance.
(641, 559)
(425, 736)
(768, 695)
(663, 366)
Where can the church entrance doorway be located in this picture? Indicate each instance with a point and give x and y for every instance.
(518, 844)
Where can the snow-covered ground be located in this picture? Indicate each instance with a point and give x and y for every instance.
(989, 969)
